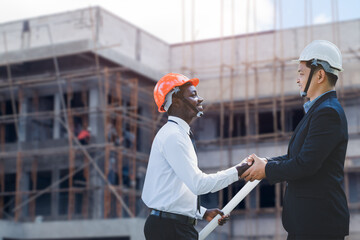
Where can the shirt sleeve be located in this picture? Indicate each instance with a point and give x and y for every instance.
(279, 158)
(181, 156)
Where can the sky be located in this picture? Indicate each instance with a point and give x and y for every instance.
(176, 21)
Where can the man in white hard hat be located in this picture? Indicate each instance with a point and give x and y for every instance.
(315, 205)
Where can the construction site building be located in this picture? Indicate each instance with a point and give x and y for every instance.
(89, 71)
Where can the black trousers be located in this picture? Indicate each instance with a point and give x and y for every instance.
(158, 228)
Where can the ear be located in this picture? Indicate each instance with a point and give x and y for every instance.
(175, 101)
(320, 76)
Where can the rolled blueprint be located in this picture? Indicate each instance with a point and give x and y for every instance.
(228, 208)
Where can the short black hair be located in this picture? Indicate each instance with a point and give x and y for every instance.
(331, 77)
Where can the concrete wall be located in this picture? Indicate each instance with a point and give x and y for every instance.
(264, 47)
(353, 117)
(211, 159)
(95, 29)
(47, 31)
(132, 228)
(240, 227)
(90, 29)
(10, 229)
(132, 42)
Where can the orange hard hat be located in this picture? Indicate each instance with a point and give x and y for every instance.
(168, 83)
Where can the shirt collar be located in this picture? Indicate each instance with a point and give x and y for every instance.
(309, 103)
(181, 123)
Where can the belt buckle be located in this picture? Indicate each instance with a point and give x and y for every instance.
(155, 212)
(195, 222)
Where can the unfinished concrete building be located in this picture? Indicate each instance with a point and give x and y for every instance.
(90, 70)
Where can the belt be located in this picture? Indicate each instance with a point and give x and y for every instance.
(174, 216)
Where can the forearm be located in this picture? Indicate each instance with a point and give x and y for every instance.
(201, 183)
(220, 180)
(292, 169)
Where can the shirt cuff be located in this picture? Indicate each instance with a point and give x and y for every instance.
(233, 173)
(202, 212)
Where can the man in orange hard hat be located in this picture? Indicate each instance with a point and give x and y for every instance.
(173, 180)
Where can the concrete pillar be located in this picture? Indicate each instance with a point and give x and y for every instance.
(57, 108)
(95, 114)
(22, 120)
(97, 198)
(96, 117)
(252, 125)
(24, 186)
(97, 136)
(55, 176)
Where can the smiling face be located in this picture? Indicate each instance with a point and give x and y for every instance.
(191, 95)
(184, 102)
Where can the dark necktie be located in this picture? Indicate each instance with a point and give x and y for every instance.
(191, 135)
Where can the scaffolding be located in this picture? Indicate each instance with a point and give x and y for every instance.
(100, 179)
(101, 157)
(122, 113)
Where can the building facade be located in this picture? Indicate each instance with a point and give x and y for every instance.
(89, 70)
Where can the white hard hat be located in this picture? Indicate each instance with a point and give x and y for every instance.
(324, 51)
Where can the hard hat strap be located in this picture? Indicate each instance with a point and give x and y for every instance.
(313, 66)
(198, 113)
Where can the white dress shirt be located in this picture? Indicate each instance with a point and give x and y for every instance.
(173, 179)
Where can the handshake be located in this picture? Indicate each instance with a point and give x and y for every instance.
(252, 168)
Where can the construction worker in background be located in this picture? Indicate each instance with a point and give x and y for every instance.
(315, 205)
(84, 136)
(173, 181)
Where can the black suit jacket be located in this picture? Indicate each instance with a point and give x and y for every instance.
(314, 201)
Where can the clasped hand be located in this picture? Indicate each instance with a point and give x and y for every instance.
(257, 169)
